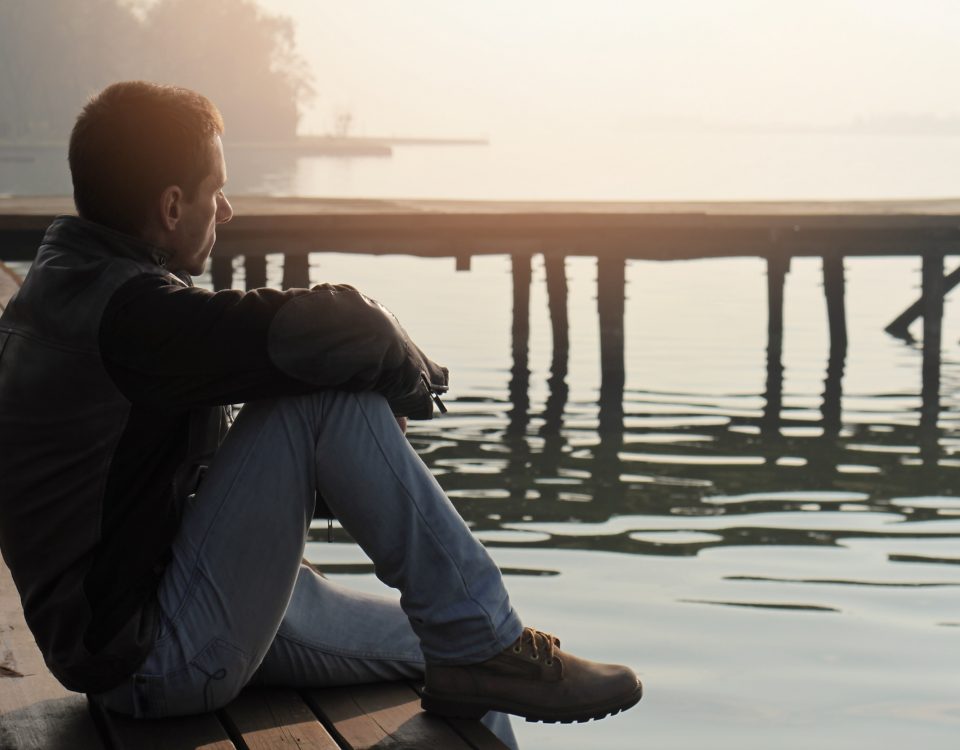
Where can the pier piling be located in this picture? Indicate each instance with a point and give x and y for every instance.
(520, 374)
(933, 291)
(900, 325)
(256, 269)
(611, 302)
(296, 271)
(611, 297)
(777, 268)
(834, 288)
(221, 272)
(556, 271)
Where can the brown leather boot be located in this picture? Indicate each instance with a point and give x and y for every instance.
(532, 678)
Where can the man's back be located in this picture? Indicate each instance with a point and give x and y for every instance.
(61, 417)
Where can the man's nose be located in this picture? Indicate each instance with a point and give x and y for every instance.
(224, 210)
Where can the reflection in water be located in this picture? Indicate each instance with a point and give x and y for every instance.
(925, 559)
(827, 581)
(702, 458)
(746, 522)
(760, 605)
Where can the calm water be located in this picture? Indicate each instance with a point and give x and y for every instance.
(794, 588)
(787, 582)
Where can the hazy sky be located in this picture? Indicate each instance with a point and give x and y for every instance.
(482, 67)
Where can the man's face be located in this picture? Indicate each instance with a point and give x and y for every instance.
(196, 230)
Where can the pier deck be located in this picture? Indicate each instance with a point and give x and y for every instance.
(461, 229)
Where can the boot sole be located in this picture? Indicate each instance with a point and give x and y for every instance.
(469, 707)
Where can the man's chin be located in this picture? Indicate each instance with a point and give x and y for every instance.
(194, 269)
(198, 267)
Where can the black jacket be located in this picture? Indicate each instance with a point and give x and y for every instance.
(113, 373)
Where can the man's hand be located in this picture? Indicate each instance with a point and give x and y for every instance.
(402, 421)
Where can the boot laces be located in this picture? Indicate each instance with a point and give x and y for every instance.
(538, 641)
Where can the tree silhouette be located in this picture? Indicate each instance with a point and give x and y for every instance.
(56, 53)
(53, 54)
(243, 59)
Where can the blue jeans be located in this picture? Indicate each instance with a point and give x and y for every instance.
(236, 604)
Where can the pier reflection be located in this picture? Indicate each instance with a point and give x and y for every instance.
(650, 472)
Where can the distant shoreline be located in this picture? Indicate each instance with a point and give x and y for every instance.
(310, 145)
(942, 212)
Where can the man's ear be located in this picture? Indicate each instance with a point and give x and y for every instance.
(171, 205)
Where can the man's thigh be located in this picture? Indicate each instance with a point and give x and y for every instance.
(236, 557)
(233, 563)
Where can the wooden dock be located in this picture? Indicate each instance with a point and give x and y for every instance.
(37, 713)
(461, 229)
(613, 233)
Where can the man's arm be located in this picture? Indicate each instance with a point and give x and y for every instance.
(166, 344)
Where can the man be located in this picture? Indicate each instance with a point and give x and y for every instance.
(163, 587)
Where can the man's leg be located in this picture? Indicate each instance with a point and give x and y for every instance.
(477, 659)
(237, 556)
(238, 552)
(390, 503)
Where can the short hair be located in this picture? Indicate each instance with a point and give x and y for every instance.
(133, 140)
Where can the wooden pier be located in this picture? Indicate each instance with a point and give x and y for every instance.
(37, 713)
(614, 233)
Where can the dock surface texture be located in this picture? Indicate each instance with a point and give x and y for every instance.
(37, 713)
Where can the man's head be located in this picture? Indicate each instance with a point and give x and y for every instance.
(147, 160)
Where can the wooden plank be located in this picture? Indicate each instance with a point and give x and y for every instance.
(382, 716)
(36, 712)
(658, 231)
(275, 719)
(200, 732)
(661, 238)
(476, 734)
(899, 326)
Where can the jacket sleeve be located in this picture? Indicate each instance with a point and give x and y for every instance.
(319, 337)
(167, 344)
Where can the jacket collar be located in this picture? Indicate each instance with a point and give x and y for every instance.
(72, 232)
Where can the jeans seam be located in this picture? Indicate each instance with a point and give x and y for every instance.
(229, 491)
(197, 571)
(426, 523)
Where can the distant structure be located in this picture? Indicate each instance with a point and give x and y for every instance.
(342, 124)
(56, 53)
